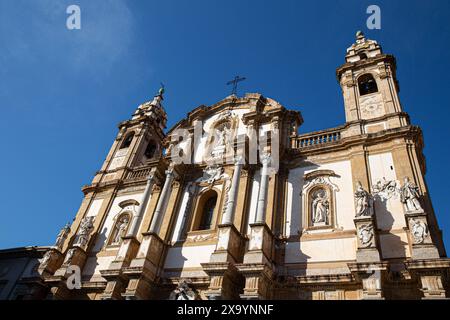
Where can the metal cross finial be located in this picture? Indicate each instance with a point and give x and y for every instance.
(235, 82)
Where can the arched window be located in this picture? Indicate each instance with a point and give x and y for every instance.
(127, 141)
(207, 213)
(367, 84)
(150, 150)
(362, 56)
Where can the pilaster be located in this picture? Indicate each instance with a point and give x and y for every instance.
(371, 275)
(422, 246)
(367, 240)
(225, 282)
(257, 267)
(431, 274)
(75, 256)
(145, 268)
(170, 214)
(116, 279)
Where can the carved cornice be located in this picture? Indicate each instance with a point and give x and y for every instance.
(387, 58)
(325, 279)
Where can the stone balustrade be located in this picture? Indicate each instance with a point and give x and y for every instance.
(316, 138)
(139, 173)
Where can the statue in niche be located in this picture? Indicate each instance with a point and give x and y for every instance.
(62, 235)
(223, 136)
(409, 196)
(419, 231)
(120, 229)
(364, 202)
(365, 234)
(320, 207)
(86, 227)
(183, 292)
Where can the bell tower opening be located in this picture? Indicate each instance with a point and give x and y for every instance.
(367, 84)
(127, 142)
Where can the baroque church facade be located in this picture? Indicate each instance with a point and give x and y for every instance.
(234, 203)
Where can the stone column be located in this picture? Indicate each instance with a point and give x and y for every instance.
(262, 197)
(232, 195)
(145, 267)
(134, 227)
(159, 211)
(257, 267)
(170, 209)
(225, 281)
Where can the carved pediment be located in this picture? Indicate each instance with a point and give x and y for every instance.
(128, 203)
(319, 173)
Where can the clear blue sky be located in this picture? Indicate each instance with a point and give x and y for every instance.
(63, 92)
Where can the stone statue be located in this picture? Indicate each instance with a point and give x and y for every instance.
(121, 228)
(223, 140)
(46, 258)
(385, 189)
(86, 227)
(62, 235)
(364, 202)
(365, 234)
(69, 256)
(320, 206)
(183, 292)
(419, 231)
(169, 149)
(409, 195)
(222, 137)
(212, 173)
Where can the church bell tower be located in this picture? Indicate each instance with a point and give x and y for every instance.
(140, 139)
(370, 88)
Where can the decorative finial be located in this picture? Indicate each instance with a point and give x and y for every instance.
(359, 34)
(161, 90)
